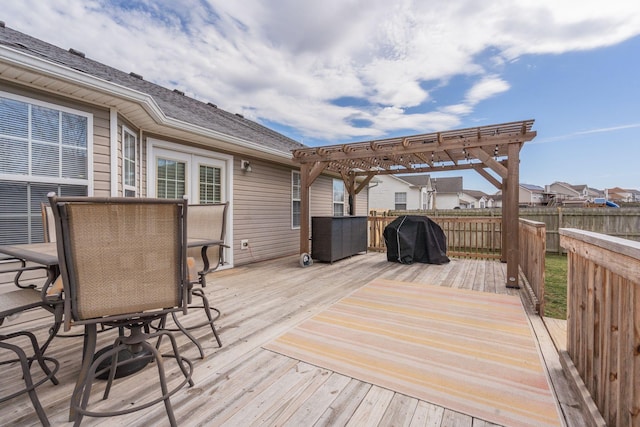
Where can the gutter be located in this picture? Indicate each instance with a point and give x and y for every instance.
(69, 75)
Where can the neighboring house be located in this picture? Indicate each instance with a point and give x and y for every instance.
(563, 192)
(531, 195)
(448, 192)
(474, 199)
(618, 194)
(400, 192)
(497, 200)
(78, 127)
(528, 195)
(415, 192)
(588, 193)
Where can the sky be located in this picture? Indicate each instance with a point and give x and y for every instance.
(335, 71)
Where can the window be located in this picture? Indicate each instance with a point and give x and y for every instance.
(178, 173)
(210, 184)
(295, 199)
(338, 197)
(171, 180)
(129, 163)
(45, 148)
(401, 201)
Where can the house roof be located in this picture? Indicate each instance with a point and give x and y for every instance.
(420, 180)
(476, 194)
(532, 188)
(447, 184)
(567, 186)
(172, 103)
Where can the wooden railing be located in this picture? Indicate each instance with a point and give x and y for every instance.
(467, 237)
(532, 261)
(603, 322)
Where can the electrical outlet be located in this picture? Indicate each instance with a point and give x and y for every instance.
(244, 244)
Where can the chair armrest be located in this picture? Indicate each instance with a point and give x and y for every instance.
(207, 268)
(19, 270)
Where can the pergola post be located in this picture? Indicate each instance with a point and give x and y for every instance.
(510, 218)
(304, 207)
(308, 174)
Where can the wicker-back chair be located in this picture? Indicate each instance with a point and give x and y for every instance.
(205, 222)
(123, 263)
(48, 223)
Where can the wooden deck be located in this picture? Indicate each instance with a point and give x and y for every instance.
(242, 384)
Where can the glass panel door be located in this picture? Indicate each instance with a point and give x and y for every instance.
(177, 174)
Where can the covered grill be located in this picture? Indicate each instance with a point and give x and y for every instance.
(414, 238)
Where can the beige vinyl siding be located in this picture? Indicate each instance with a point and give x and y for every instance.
(321, 198)
(362, 203)
(262, 212)
(101, 154)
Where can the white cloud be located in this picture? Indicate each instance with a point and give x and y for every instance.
(287, 60)
(486, 88)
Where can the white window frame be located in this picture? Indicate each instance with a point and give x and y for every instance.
(295, 226)
(136, 162)
(53, 180)
(38, 179)
(396, 200)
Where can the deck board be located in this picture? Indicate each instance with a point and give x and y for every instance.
(242, 384)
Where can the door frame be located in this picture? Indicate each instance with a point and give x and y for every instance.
(193, 157)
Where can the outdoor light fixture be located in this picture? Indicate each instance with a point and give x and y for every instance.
(245, 165)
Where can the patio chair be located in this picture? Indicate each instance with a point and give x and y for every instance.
(48, 223)
(13, 303)
(123, 263)
(28, 296)
(205, 221)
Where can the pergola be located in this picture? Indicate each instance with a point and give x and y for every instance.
(493, 151)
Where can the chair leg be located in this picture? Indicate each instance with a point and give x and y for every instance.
(53, 330)
(207, 309)
(90, 338)
(25, 363)
(38, 356)
(188, 334)
(179, 359)
(163, 387)
(137, 339)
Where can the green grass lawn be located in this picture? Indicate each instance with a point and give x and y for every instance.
(555, 290)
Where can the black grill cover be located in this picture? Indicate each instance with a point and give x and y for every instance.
(414, 238)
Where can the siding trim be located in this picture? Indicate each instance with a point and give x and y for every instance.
(113, 149)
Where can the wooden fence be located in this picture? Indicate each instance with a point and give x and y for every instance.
(532, 262)
(603, 322)
(623, 222)
(467, 237)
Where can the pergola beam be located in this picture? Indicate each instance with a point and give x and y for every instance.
(486, 175)
(479, 153)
